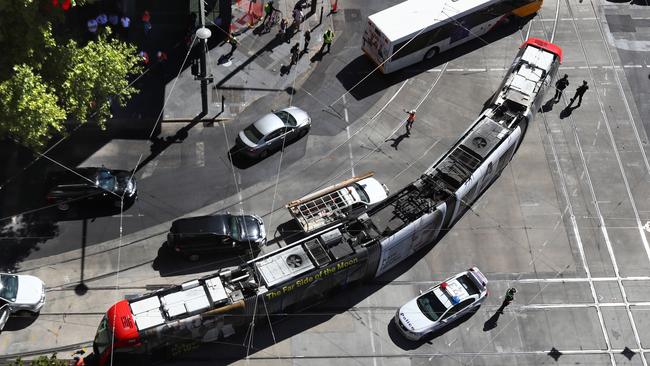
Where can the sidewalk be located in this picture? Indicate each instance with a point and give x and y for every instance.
(254, 70)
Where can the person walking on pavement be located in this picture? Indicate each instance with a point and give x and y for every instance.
(295, 54)
(232, 40)
(146, 21)
(510, 297)
(297, 18)
(409, 120)
(560, 85)
(268, 11)
(307, 39)
(328, 37)
(582, 89)
(283, 29)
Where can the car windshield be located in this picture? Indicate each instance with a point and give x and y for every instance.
(106, 180)
(8, 287)
(253, 134)
(235, 230)
(430, 306)
(103, 337)
(286, 118)
(468, 284)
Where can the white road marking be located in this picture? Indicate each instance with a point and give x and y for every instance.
(200, 154)
(592, 191)
(149, 169)
(347, 131)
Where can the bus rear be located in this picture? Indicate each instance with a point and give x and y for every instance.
(376, 45)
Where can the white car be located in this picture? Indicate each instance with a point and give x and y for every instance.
(20, 293)
(273, 131)
(442, 304)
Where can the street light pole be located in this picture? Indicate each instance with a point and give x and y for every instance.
(203, 34)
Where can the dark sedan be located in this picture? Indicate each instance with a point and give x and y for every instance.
(216, 234)
(105, 186)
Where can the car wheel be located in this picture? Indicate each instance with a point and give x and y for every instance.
(431, 53)
(63, 206)
(303, 133)
(264, 154)
(193, 257)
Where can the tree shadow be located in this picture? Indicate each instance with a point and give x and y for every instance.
(360, 81)
(22, 235)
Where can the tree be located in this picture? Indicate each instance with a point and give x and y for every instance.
(28, 108)
(47, 78)
(41, 361)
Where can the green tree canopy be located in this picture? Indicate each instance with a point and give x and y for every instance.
(47, 78)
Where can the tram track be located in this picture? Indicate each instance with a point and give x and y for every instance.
(595, 202)
(604, 231)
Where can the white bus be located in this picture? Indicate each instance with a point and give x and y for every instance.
(417, 30)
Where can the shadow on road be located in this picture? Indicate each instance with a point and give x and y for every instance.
(406, 344)
(168, 263)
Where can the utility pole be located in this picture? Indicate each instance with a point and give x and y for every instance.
(203, 34)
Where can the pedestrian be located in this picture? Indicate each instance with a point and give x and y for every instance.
(328, 37)
(283, 29)
(102, 19)
(268, 11)
(113, 19)
(126, 23)
(145, 57)
(146, 21)
(297, 18)
(92, 25)
(233, 45)
(295, 54)
(582, 89)
(161, 56)
(560, 85)
(307, 39)
(510, 297)
(409, 120)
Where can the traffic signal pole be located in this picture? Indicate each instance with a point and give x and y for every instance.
(203, 34)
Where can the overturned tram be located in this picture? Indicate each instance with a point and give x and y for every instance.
(359, 246)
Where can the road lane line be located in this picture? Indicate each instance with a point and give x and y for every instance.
(200, 154)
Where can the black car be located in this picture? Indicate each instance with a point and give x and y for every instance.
(105, 186)
(216, 234)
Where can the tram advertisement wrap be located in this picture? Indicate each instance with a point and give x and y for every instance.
(312, 277)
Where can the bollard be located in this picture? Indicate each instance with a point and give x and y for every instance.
(335, 7)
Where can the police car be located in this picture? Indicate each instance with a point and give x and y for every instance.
(442, 304)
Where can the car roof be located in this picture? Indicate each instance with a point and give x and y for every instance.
(56, 177)
(456, 289)
(268, 124)
(217, 224)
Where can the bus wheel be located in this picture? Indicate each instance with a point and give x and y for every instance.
(433, 52)
(63, 206)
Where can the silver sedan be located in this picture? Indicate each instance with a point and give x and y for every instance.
(273, 131)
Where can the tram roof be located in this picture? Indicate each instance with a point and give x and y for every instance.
(411, 16)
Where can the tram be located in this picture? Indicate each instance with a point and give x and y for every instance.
(360, 246)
